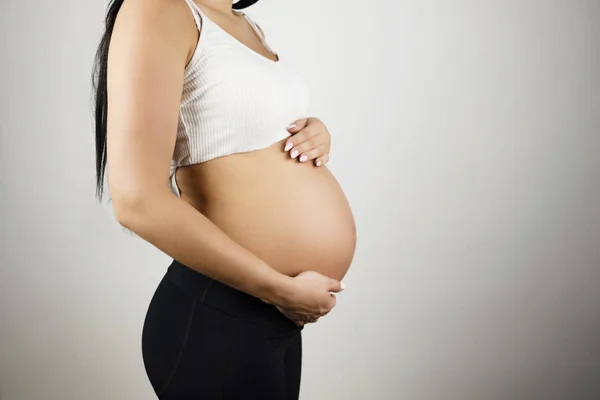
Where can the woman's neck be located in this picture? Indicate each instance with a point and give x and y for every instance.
(223, 6)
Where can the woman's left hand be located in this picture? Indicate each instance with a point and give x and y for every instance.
(310, 140)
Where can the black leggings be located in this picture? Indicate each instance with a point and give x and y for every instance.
(205, 340)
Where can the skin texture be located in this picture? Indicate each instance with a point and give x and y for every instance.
(152, 42)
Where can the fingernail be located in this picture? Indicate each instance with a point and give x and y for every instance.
(291, 126)
(343, 285)
(294, 154)
(319, 163)
(303, 158)
(288, 146)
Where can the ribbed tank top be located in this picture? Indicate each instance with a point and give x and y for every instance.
(234, 99)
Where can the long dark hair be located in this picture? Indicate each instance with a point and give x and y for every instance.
(100, 90)
(99, 78)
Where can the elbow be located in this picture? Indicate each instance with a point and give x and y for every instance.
(128, 209)
(134, 205)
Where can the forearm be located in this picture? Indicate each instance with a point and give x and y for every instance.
(183, 233)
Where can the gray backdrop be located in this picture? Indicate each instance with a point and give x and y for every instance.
(466, 136)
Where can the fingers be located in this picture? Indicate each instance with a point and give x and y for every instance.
(333, 302)
(316, 152)
(322, 160)
(324, 310)
(315, 295)
(301, 137)
(312, 148)
(297, 125)
(336, 286)
(310, 140)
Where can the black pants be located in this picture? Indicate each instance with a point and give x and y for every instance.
(205, 340)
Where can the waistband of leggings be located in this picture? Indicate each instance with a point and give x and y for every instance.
(220, 296)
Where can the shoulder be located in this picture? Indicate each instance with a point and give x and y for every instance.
(158, 10)
(165, 21)
(166, 16)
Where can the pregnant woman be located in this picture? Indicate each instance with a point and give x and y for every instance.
(211, 157)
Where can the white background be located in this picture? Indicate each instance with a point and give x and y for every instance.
(466, 135)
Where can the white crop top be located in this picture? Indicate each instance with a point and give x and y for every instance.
(234, 99)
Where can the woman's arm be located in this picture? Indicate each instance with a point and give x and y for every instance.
(151, 43)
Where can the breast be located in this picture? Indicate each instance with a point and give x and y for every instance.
(235, 101)
(292, 215)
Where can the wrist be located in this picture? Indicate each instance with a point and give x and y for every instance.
(277, 289)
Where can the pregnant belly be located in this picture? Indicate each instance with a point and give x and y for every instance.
(292, 215)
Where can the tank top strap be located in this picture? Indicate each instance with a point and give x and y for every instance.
(197, 13)
(258, 31)
(253, 24)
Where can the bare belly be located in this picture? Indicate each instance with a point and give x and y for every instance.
(292, 215)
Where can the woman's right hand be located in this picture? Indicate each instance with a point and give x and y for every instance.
(311, 295)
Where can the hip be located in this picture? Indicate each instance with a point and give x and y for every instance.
(203, 338)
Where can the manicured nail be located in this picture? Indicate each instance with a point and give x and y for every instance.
(343, 285)
(294, 154)
(291, 126)
(303, 158)
(288, 146)
(319, 163)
